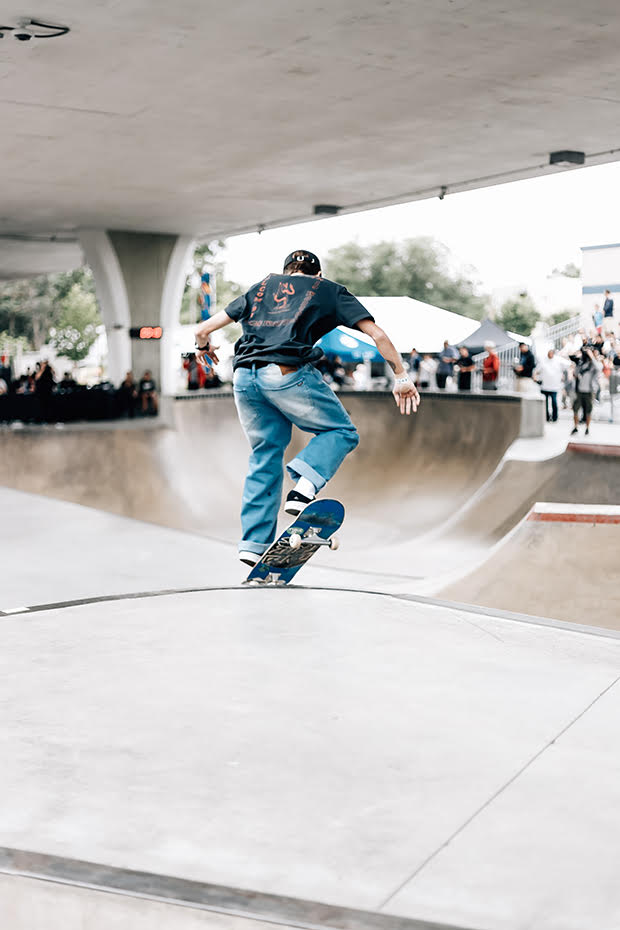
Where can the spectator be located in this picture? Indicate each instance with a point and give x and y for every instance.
(414, 366)
(599, 343)
(193, 370)
(211, 379)
(44, 388)
(551, 372)
(339, 374)
(147, 392)
(524, 369)
(490, 368)
(608, 311)
(428, 368)
(445, 368)
(465, 365)
(127, 396)
(597, 318)
(362, 377)
(325, 367)
(68, 384)
(587, 370)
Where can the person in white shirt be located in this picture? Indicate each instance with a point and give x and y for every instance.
(426, 372)
(550, 372)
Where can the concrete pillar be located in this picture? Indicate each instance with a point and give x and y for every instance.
(139, 278)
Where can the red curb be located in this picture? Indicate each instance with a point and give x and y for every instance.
(574, 517)
(593, 448)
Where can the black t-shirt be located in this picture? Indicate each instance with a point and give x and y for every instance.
(147, 385)
(528, 362)
(284, 315)
(464, 378)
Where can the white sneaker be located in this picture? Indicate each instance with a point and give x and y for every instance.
(250, 558)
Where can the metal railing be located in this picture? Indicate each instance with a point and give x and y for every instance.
(556, 334)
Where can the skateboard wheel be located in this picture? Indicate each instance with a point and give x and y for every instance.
(334, 542)
(294, 541)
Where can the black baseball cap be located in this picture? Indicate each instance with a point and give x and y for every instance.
(303, 255)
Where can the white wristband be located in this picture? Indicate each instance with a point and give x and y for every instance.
(404, 379)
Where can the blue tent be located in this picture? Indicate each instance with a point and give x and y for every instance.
(349, 348)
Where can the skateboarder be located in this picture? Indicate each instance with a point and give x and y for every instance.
(276, 385)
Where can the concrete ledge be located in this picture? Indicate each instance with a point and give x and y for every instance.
(532, 416)
(76, 894)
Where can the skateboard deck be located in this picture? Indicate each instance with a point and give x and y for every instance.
(283, 559)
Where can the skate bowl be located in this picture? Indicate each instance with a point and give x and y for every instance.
(560, 561)
(428, 497)
(407, 475)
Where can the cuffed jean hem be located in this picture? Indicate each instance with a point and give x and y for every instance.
(300, 469)
(249, 546)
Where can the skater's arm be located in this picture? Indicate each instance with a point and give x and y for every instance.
(217, 321)
(404, 391)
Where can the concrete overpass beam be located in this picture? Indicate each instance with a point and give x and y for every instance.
(139, 278)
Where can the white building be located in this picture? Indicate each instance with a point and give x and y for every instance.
(600, 272)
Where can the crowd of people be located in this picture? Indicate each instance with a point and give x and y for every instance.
(575, 376)
(436, 371)
(38, 396)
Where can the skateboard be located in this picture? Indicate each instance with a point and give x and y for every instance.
(312, 528)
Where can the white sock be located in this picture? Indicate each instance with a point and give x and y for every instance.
(304, 486)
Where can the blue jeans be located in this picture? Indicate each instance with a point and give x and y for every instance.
(268, 403)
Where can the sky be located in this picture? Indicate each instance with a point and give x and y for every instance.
(512, 234)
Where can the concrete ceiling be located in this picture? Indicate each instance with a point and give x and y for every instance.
(211, 118)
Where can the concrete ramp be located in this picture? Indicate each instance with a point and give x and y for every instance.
(426, 497)
(407, 475)
(561, 561)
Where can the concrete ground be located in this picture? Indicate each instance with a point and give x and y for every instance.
(359, 751)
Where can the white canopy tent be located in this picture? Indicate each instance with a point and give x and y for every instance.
(412, 323)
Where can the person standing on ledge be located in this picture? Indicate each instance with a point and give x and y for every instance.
(276, 385)
(608, 312)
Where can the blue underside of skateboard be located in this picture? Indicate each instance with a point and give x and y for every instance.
(280, 563)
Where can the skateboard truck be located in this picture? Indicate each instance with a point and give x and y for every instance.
(313, 527)
(271, 580)
(312, 539)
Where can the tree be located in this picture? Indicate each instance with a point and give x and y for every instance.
(519, 315)
(78, 320)
(569, 270)
(560, 316)
(420, 268)
(30, 308)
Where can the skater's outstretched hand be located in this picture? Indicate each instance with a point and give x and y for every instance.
(404, 390)
(204, 349)
(406, 396)
(203, 354)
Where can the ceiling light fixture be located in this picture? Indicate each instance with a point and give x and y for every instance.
(27, 29)
(325, 209)
(567, 159)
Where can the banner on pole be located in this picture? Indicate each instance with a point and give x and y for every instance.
(206, 295)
